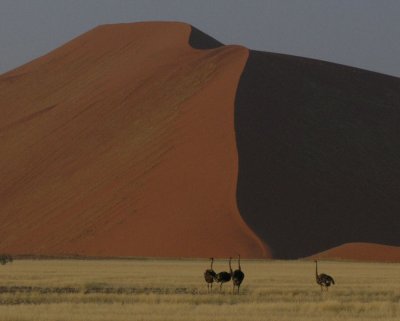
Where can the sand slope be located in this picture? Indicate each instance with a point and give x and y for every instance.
(318, 154)
(122, 143)
(362, 252)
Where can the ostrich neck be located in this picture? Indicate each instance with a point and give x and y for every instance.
(212, 262)
(316, 269)
(239, 264)
(230, 267)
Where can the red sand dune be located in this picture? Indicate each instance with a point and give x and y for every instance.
(126, 141)
(362, 252)
(122, 143)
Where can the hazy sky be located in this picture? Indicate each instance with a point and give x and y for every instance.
(360, 33)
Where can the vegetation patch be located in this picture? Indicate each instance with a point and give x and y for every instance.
(174, 290)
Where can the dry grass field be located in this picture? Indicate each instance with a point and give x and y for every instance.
(120, 290)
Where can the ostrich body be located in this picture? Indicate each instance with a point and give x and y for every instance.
(324, 280)
(209, 276)
(237, 276)
(223, 277)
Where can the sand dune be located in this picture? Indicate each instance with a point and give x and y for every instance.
(121, 143)
(362, 252)
(154, 139)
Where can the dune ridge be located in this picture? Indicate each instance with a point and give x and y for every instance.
(121, 143)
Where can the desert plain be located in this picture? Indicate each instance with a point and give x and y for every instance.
(174, 289)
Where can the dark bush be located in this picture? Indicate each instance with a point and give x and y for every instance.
(5, 258)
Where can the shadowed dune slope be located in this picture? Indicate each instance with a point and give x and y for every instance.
(122, 143)
(362, 252)
(319, 157)
(199, 40)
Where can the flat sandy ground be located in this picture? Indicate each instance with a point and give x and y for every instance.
(85, 290)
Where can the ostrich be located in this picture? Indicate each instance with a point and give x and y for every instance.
(223, 277)
(209, 276)
(322, 279)
(237, 276)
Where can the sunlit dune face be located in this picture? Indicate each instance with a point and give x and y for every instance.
(121, 143)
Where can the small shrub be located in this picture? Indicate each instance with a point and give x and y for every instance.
(5, 258)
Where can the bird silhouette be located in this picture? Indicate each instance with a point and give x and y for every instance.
(209, 276)
(223, 277)
(324, 280)
(237, 276)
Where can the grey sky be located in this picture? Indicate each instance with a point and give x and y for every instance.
(360, 33)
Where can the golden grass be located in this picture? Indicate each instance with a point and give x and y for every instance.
(85, 290)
